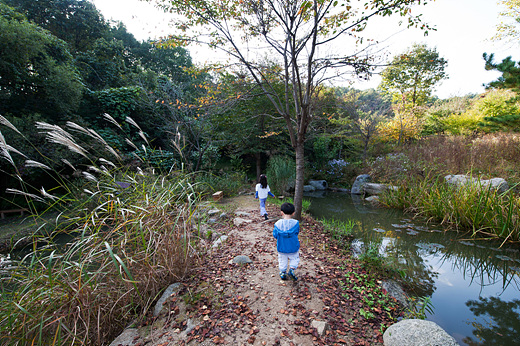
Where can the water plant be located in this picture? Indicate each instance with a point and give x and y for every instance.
(482, 211)
(419, 308)
(341, 231)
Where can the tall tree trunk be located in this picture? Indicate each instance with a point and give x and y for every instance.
(300, 179)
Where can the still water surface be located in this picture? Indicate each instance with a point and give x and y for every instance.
(474, 285)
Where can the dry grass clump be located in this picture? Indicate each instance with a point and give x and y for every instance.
(131, 238)
(487, 156)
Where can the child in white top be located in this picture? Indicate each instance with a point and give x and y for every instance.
(262, 192)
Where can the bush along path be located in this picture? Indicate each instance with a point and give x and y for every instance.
(333, 302)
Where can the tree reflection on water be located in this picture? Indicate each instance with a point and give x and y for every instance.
(445, 266)
(504, 325)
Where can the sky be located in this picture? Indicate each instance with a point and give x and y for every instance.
(464, 29)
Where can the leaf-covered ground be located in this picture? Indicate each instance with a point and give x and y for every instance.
(229, 304)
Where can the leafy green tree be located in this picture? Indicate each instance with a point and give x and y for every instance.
(499, 110)
(360, 114)
(37, 73)
(172, 62)
(443, 112)
(504, 116)
(245, 121)
(412, 75)
(104, 65)
(76, 22)
(292, 32)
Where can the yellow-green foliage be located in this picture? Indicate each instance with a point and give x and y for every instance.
(462, 124)
(401, 127)
(495, 103)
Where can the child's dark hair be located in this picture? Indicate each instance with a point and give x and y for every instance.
(287, 208)
(263, 181)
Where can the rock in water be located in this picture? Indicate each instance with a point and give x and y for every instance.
(357, 187)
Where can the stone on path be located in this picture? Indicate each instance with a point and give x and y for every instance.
(169, 291)
(412, 332)
(219, 241)
(238, 221)
(213, 212)
(321, 326)
(241, 259)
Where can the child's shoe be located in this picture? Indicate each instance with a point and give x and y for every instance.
(283, 276)
(292, 275)
(266, 216)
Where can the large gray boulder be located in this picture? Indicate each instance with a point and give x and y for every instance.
(417, 333)
(357, 187)
(308, 188)
(241, 259)
(319, 184)
(376, 189)
(396, 291)
(461, 180)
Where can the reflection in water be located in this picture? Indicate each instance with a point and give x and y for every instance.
(504, 325)
(441, 265)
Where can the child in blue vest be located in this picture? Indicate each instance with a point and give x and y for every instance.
(286, 232)
(262, 191)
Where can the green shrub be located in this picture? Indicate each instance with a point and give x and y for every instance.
(162, 160)
(231, 183)
(281, 171)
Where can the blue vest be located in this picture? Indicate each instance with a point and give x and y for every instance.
(286, 234)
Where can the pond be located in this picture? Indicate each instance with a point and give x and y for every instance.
(474, 285)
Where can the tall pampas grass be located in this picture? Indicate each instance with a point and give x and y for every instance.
(132, 238)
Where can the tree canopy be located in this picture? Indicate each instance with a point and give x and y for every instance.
(292, 34)
(510, 70)
(76, 22)
(413, 74)
(37, 72)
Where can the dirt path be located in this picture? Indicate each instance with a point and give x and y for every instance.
(232, 304)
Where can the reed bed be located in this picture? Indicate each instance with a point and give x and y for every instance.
(471, 208)
(132, 234)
